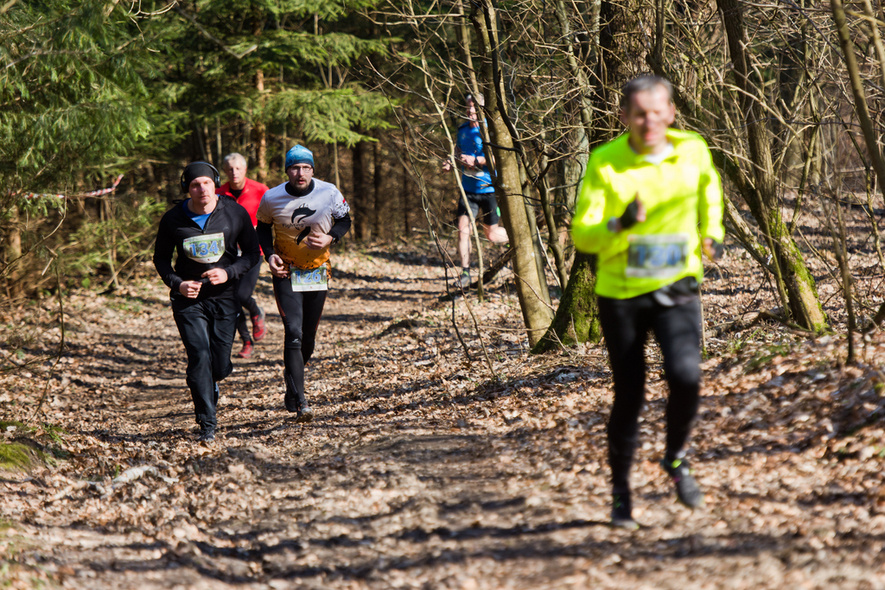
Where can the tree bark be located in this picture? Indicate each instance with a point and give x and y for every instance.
(383, 210)
(796, 286)
(577, 318)
(260, 131)
(860, 101)
(13, 253)
(530, 287)
(362, 190)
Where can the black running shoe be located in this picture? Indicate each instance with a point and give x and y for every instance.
(687, 489)
(305, 414)
(622, 512)
(207, 434)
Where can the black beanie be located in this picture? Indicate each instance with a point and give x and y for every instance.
(196, 170)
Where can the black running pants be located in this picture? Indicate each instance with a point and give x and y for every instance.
(625, 325)
(207, 331)
(301, 312)
(244, 293)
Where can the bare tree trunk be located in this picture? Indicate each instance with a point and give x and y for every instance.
(405, 199)
(261, 133)
(531, 288)
(362, 190)
(13, 254)
(577, 317)
(464, 38)
(836, 225)
(860, 101)
(380, 202)
(795, 284)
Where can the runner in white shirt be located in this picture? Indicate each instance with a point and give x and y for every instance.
(297, 223)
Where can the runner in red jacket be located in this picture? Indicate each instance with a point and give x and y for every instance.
(247, 193)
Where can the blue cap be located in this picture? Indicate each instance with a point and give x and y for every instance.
(299, 155)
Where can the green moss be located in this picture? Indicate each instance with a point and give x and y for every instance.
(26, 449)
(15, 455)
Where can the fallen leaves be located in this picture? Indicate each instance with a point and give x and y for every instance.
(422, 469)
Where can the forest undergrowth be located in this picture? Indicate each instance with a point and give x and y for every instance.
(439, 458)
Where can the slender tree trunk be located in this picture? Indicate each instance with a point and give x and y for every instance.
(218, 145)
(795, 283)
(381, 209)
(13, 253)
(405, 199)
(362, 190)
(530, 287)
(860, 101)
(260, 133)
(464, 38)
(577, 317)
(552, 233)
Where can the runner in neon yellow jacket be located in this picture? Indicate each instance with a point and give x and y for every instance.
(650, 202)
(681, 195)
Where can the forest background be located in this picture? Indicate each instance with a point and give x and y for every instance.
(120, 95)
(113, 94)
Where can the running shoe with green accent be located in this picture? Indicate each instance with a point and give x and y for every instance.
(687, 490)
(622, 512)
(463, 280)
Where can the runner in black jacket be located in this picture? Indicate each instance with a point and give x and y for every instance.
(215, 244)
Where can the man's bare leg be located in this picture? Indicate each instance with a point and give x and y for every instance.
(464, 241)
(497, 234)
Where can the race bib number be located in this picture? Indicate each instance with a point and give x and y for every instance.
(656, 256)
(316, 279)
(207, 248)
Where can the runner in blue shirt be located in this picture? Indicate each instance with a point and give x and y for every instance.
(476, 181)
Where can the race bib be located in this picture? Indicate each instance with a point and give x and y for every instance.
(316, 279)
(656, 256)
(206, 248)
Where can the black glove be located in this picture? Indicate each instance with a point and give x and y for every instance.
(628, 219)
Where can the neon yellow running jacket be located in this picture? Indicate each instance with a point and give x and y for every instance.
(683, 200)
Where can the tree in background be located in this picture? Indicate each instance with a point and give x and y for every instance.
(256, 76)
(72, 109)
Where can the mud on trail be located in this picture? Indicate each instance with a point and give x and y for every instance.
(425, 468)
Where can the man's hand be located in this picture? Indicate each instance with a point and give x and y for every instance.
(190, 289)
(712, 249)
(634, 214)
(278, 268)
(472, 161)
(216, 276)
(317, 240)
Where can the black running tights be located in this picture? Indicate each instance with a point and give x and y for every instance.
(300, 311)
(625, 325)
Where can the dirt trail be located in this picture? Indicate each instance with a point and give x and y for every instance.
(419, 471)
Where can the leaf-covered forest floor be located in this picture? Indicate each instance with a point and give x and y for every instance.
(428, 469)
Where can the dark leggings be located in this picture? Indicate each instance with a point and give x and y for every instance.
(626, 324)
(207, 331)
(244, 295)
(300, 311)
